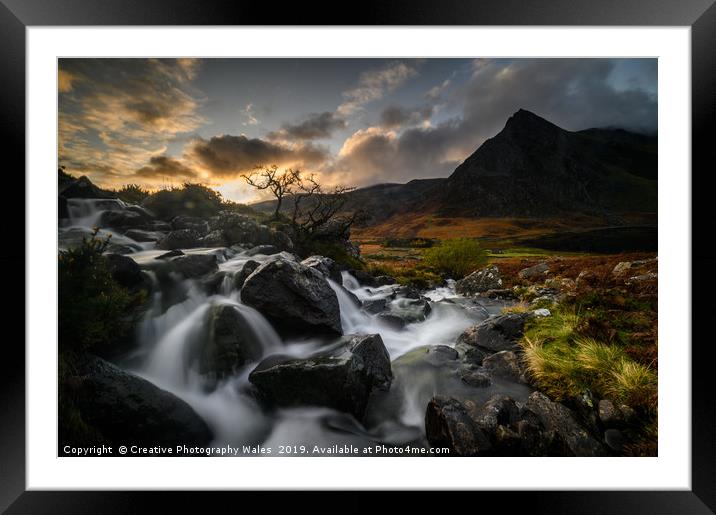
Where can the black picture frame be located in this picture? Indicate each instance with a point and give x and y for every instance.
(700, 15)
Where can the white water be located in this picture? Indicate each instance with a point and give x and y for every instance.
(167, 340)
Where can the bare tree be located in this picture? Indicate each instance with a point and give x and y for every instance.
(280, 184)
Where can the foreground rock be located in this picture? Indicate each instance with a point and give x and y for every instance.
(115, 401)
(180, 239)
(556, 418)
(496, 334)
(294, 297)
(230, 342)
(326, 266)
(342, 377)
(482, 280)
(448, 424)
(125, 271)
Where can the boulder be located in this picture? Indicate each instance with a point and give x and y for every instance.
(231, 342)
(447, 424)
(170, 254)
(556, 418)
(498, 410)
(246, 270)
(626, 268)
(294, 297)
(374, 306)
(120, 404)
(609, 414)
(213, 239)
(504, 364)
(266, 250)
(475, 378)
(537, 271)
(194, 223)
(408, 310)
(479, 281)
(326, 266)
(586, 279)
(121, 220)
(497, 333)
(125, 270)
(195, 265)
(342, 377)
(144, 236)
(83, 188)
(180, 239)
(242, 229)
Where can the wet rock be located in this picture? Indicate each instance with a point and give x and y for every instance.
(180, 239)
(482, 280)
(266, 250)
(470, 354)
(125, 271)
(537, 271)
(554, 417)
(374, 306)
(115, 401)
(448, 424)
(246, 270)
(498, 410)
(122, 220)
(244, 230)
(326, 266)
(504, 364)
(144, 236)
(342, 377)
(409, 310)
(170, 254)
(230, 343)
(294, 297)
(475, 378)
(392, 321)
(213, 239)
(195, 265)
(496, 334)
(214, 284)
(193, 223)
(366, 279)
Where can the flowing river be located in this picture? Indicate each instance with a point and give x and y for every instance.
(171, 328)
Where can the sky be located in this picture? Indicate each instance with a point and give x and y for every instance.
(352, 122)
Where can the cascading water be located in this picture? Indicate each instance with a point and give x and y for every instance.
(176, 324)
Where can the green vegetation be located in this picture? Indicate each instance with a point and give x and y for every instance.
(132, 193)
(93, 316)
(418, 276)
(92, 307)
(190, 199)
(456, 257)
(335, 251)
(565, 359)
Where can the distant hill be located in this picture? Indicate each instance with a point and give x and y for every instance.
(533, 169)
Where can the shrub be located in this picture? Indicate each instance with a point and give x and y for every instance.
(190, 199)
(456, 257)
(132, 194)
(92, 307)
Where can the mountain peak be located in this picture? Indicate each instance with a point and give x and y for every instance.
(525, 118)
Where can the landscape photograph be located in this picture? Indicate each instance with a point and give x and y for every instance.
(311, 257)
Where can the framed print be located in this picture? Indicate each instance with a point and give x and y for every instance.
(433, 249)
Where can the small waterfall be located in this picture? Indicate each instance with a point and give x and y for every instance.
(353, 319)
(86, 212)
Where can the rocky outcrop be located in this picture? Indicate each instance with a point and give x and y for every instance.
(180, 239)
(294, 297)
(342, 377)
(480, 281)
(246, 270)
(448, 425)
(83, 188)
(537, 271)
(230, 342)
(116, 402)
(195, 265)
(573, 439)
(498, 333)
(326, 266)
(504, 364)
(194, 223)
(242, 229)
(125, 271)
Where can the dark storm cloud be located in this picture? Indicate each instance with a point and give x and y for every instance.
(227, 156)
(572, 93)
(313, 126)
(161, 167)
(395, 116)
